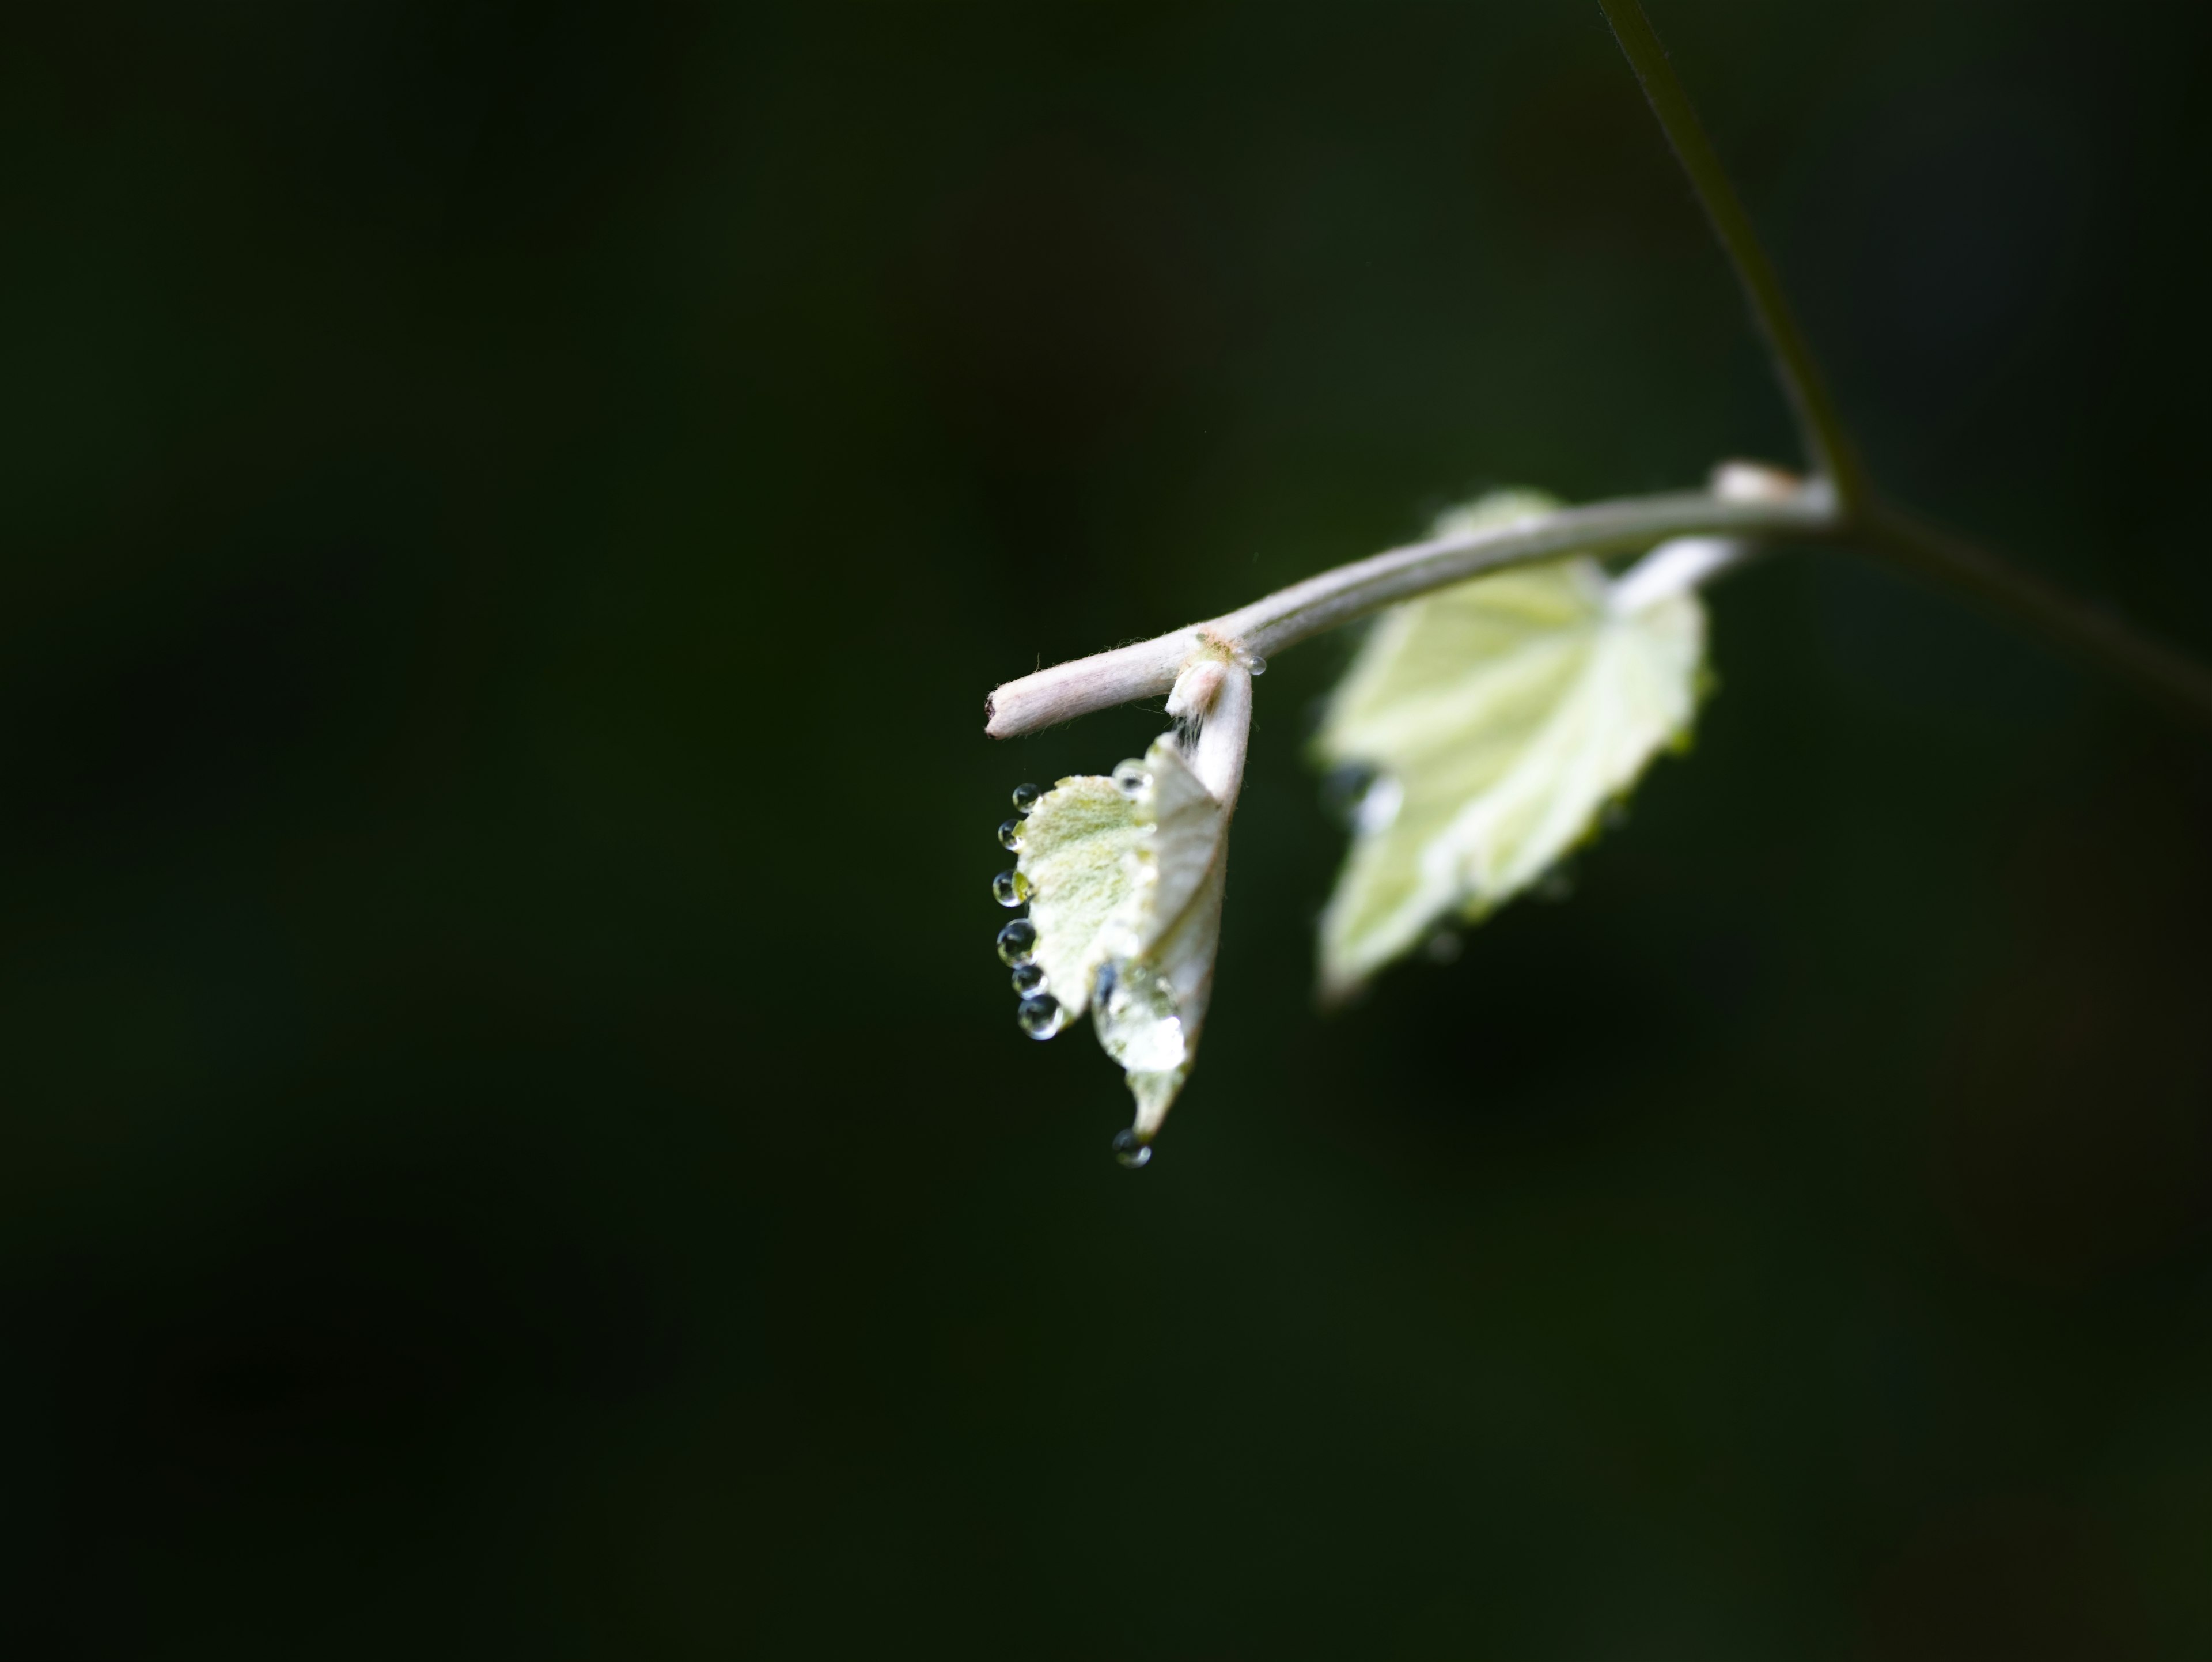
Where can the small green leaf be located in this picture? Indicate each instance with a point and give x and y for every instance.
(1497, 719)
(1126, 887)
(1079, 855)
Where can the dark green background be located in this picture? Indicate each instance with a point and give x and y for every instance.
(515, 1142)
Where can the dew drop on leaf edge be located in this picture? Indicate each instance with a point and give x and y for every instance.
(1134, 1153)
(1016, 941)
(1010, 888)
(1010, 835)
(1029, 979)
(1039, 1016)
(1130, 776)
(1025, 797)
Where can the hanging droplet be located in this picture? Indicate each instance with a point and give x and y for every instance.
(1016, 941)
(1029, 979)
(1139, 1018)
(1343, 787)
(1131, 1150)
(1379, 806)
(1010, 888)
(1039, 1016)
(1010, 836)
(1025, 797)
(1131, 777)
(1254, 665)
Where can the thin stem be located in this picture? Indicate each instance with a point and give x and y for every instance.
(1293, 614)
(1832, 453)
(1290, 615)
(2068, 623)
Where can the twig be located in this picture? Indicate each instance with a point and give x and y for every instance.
(1290, 615)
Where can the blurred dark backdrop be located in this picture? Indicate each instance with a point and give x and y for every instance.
(516, 1142)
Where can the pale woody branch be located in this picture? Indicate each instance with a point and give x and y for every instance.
(1736, 510)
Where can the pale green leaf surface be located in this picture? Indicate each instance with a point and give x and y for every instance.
(1079, 855)
(1499, 717)
(1126, 891)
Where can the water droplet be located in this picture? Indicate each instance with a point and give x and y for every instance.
(1343, 787)
(1365, 801)
(1016, 941)
(1039, 1016)
(1378, 808)
(1131, 1150)
(1139, 1018)
(1010, 888)
(1255, 664)
(1131, 777)
(1010, 835)
(1029, 979)
(1025, 796)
